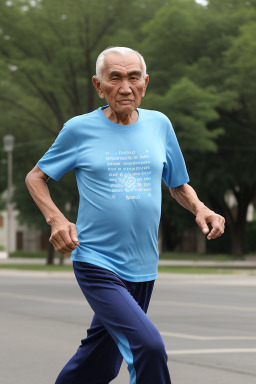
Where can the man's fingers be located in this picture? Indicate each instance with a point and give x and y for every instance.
(56, 245)
(67, 244)
(203, 225)
(218, 227)
(205, 230)
(214, 234)
(73, 234)
(64, 236)
(62, 241)
(211, 224)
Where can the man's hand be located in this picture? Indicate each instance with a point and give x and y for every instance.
(64, 235)
(210, 223)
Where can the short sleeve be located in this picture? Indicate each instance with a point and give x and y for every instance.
(60, 157)
(174, 171)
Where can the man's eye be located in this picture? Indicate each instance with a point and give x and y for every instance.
(114, 78)
(134, 78)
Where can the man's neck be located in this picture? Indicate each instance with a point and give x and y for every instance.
(122, 119)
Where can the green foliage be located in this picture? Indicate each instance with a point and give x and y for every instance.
(28, 254)
(47, 59)
(195, 256)
(214, 48)
(2, 204)
(37, 267)
(249, 241)
(191, 108)
(197, 270)
(201, 62)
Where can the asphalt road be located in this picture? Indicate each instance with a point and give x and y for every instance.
(208, 323)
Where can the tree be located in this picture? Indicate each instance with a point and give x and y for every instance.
(238, 147)
(198, 77)
(213, 47)
(47, 58)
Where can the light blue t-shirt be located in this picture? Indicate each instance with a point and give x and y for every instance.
(118, 169)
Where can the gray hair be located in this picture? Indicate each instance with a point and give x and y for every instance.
(122, 51)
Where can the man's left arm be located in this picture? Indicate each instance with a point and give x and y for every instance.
(208, 221)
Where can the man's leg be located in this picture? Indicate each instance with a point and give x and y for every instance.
(97, 360)
(137, 338)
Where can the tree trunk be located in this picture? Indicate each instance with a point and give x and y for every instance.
(88, 66)
(236, 218)
(50, 253)
(90, 86)
(237, 237)
(160, 238)
(200, 241)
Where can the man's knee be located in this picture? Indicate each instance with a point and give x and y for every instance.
(154, 348)
(112, 374)
(110, 371)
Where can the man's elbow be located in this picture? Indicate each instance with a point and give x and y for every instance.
(27, 179)
(35, 175)
(178, 190)
(172, 192)
(31, 180)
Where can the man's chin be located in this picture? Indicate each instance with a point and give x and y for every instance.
(126, 108)
(126, 102)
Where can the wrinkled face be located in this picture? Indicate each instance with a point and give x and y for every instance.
(122, 83)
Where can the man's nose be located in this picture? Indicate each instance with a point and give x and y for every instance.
(125, 87)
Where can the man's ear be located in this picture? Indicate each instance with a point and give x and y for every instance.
(145, 85)
(96, 83)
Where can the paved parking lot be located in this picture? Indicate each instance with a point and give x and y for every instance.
(208, 323)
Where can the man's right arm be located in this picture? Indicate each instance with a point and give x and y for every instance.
(63, 234)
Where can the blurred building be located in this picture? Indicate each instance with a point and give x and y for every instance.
(32, 239)
(193, 240)
(23, 237)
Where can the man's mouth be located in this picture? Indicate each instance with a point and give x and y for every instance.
(125, 101)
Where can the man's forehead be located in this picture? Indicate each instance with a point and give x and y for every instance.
(117, 62)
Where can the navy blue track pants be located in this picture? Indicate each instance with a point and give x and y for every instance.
(120, 329)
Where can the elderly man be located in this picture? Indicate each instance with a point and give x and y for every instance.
(120, 153)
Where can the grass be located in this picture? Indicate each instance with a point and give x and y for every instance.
(29, 254)
(34, 267)
(196, 270)
(163, 256)
(167, 269)
(196, 256)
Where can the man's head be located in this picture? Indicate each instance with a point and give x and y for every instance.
(121, 78)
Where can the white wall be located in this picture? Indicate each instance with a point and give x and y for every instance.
(3, 231)
(31, 236)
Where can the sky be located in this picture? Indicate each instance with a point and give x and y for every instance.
(203, 2)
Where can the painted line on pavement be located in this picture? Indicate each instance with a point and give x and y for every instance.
(167, 303)
(153, 302)
(164, 333)
(210, 351)
(43, 299)
(206, 338)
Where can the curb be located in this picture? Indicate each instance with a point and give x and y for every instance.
(240, 264)
(209, 264)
